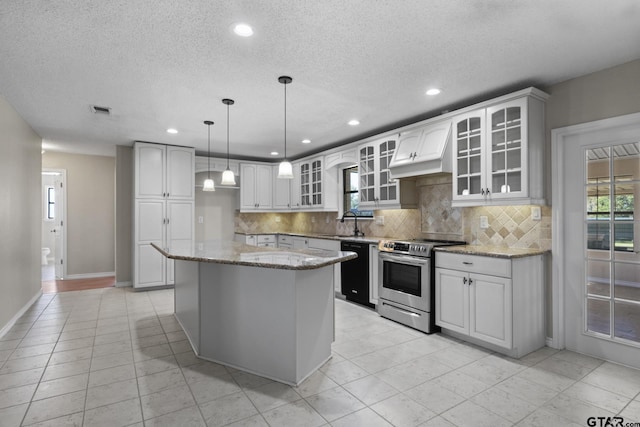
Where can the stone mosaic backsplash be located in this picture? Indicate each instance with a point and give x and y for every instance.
(508, 226)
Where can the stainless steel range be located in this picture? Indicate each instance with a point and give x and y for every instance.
(406, 282)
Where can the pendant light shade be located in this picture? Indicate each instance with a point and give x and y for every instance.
(228, 178)
(208, 184)
(285, 170)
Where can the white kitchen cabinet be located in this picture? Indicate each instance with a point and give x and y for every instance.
(377, 190)
(285, 241)
(164, 182)
(494, 302)
(164, 171)
(424, 150)
(498, 153)
(264, 240)
(281, 191)
(168, 224)
(373, 274)
(255, 187)
(299, 242)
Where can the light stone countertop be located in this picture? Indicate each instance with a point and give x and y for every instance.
(491, 251)
(340, 237)
(229, 252)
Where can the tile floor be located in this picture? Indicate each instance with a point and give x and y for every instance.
(115, 357)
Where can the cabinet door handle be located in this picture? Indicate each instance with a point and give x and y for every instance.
(488, 191)
(467, 263)
(482, 191)
(464, 280)
(470, 281)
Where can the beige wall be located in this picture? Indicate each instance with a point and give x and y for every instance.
(124, 214)
(90, 211)
(20, 208)
(216, 208)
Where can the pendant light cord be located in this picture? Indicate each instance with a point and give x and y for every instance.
(208, 151)
(285, 121)
(227, 136)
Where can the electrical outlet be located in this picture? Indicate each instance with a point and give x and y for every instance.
(277, 219)
(380, 220)
(536, 215)
(313, 219)
(200, 246)
(327, 219)
(200, 219)
(484, 222)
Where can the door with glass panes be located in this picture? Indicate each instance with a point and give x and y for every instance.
(601, 245)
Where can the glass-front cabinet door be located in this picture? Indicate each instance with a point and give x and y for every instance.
(469, 156)
(305, 184)
(367, 175)
(507, 150)
(316, 183)
(377, 188)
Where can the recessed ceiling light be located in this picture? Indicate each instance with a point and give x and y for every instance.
(353, 122)
(172, 130)
(433, 91)
(306, 141)
(243, 30)
(274, 153)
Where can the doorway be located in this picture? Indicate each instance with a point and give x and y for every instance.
(53, 224)
(596, 207)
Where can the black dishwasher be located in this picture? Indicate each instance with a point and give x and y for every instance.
(355, 273)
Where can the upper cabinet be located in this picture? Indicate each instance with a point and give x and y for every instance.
(377, 189)
(423, 151)
(498, 153)
(164, 171)
(255, 187)
(317, 187)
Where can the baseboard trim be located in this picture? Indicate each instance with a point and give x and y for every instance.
(90, 275)
(126, 284)
(19, 314)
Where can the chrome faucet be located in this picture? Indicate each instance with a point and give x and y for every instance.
(356, 232)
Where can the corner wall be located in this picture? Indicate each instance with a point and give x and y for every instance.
(20, 208)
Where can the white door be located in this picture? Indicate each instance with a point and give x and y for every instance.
(598, 235)
(180, 172)
(59, 229)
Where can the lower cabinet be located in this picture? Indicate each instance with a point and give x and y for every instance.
(168, 224)
(494, 302)
(265, 240)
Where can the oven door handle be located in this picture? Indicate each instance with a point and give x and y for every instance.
(417, 261)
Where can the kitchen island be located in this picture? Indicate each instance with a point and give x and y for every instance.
(263, 310)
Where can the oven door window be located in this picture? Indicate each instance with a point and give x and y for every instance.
(402, 277)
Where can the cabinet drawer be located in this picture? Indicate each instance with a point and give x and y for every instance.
(285, 239)
(266, 239)
(474, 264)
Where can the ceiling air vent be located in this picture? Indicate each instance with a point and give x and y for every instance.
(100, 110)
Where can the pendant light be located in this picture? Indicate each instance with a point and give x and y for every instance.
(285, 170)
(228, 178)
(208, 183)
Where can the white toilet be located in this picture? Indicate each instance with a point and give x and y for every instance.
(45, 252)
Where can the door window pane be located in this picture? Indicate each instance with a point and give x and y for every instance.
(627, 321)
(598, 278)
(598, 319)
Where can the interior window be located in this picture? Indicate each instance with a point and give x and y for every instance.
(350, 187)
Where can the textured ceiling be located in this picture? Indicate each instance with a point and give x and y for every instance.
(168, 63)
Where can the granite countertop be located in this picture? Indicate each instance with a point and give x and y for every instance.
(229, 252)
(491, 251)
(366, 239)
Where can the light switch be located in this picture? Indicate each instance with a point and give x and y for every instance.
(380, 220)
(277, 219)
(536, 215)
(484, 222)
(201, 220)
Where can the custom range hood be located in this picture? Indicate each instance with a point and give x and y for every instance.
(423, 151)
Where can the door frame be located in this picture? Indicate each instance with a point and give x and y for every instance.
(559, 137)
(63, 255)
